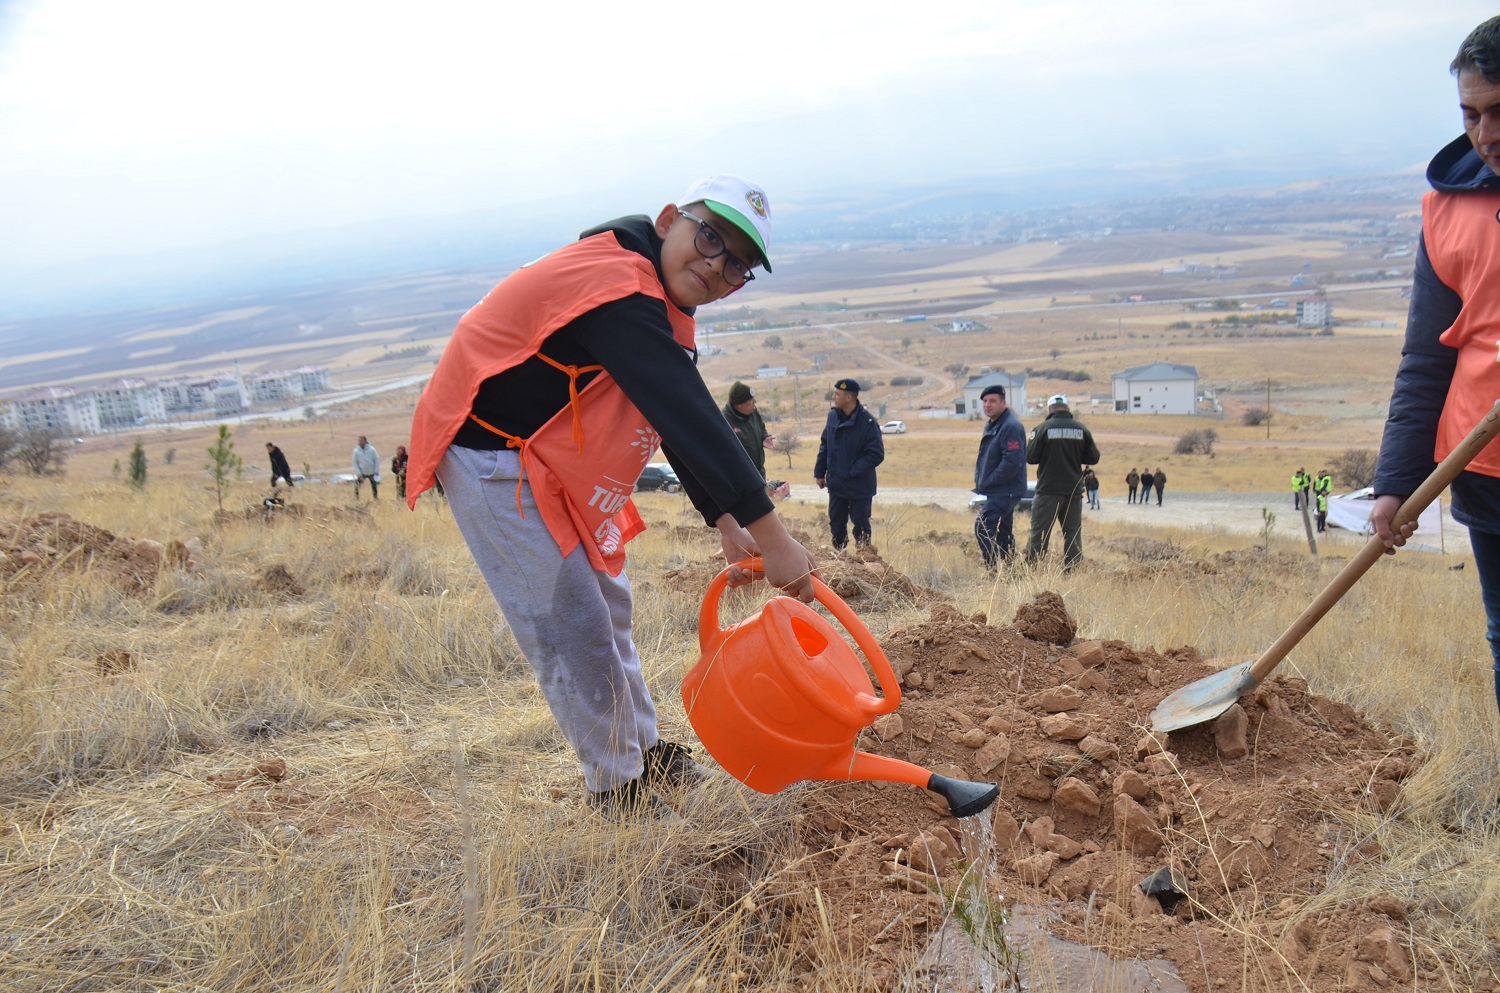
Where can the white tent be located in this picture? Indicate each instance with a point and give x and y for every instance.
(1352, 512)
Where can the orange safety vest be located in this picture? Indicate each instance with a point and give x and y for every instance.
(1462, 234)
(583, 462)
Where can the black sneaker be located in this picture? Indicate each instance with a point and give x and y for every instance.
(670, 764)
(632, 801)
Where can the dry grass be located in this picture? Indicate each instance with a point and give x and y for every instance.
(428, 833)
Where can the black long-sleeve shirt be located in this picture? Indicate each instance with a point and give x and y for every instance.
(632, 339)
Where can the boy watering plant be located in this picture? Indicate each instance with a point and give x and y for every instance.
(554, 392)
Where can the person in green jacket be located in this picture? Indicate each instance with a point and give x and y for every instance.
(748, 426)
(1301, 481)
(1060, 447)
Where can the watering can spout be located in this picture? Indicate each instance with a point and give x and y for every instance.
(965, 799)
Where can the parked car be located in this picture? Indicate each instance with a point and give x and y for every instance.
(893, 427)
(977, 500)
(658, 476)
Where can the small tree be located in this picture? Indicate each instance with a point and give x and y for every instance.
(959, 371)
(138, 466)
(773, 341)
(787, 444)
(1355, 466)
(225, 463)
(9, 440)
(169, 456)
(1255, 417)
(41, 452)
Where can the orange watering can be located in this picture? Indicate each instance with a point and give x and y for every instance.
(780, 697)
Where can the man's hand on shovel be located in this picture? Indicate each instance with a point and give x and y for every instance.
(1380, 519)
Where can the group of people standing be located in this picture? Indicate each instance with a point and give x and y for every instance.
(1062, 449)
(366, 461)
(1313, 492)
(1143, 483)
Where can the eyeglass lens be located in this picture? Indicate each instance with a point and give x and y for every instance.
(711, 246)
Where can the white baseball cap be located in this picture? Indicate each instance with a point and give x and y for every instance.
(741, 203)
(1057, 400)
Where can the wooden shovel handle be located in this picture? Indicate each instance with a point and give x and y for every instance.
(1447, 471)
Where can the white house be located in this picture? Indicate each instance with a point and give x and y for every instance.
(1314, 312)
(1158, 388)
(1015, 392)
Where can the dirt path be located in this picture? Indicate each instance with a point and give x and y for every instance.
(1236, 512)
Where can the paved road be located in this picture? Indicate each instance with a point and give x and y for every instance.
(1237, 512)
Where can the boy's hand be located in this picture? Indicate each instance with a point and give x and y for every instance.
(788, 566)
(737, 545)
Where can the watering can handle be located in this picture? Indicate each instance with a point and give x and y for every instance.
(867, 703)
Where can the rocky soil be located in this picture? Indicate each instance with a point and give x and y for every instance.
(1199, 847)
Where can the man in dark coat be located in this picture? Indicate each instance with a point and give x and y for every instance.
(849, 451)
(748, 426)
(279, 467)
(1000, 477)
(1448, 376)
(1060, 447)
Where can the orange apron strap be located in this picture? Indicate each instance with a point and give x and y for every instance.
(511, 441)
(573, 371)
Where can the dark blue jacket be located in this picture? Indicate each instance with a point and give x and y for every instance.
(1427, 365)
(850, 449)
(1000, 471)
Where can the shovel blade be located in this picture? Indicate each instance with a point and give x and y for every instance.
(1202, 701)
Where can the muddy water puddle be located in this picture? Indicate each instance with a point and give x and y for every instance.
(988, 945)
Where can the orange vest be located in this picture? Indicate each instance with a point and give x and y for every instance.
(1462, 234)
(582, 463)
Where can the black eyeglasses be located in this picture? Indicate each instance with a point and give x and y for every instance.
(710, 245)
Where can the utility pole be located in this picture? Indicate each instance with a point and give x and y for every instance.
(1268, 408)
(797, 398)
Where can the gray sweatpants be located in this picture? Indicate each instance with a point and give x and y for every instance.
(571, 621)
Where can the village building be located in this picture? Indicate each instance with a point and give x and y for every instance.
(969, 404)
(127, 403)
(121, 404)
(1157, 388)
(57, 410)
(1314, 312)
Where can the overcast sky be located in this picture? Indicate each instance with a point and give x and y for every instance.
(129, 127)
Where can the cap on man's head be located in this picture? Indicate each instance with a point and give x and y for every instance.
(739, 393)
(847, 385)
(994, 389)
(1057, 400)
(741, 203)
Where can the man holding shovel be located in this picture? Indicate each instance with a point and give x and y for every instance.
(1449, 377)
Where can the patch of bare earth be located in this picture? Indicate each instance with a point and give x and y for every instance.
(1240, 812)
(35, 547)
